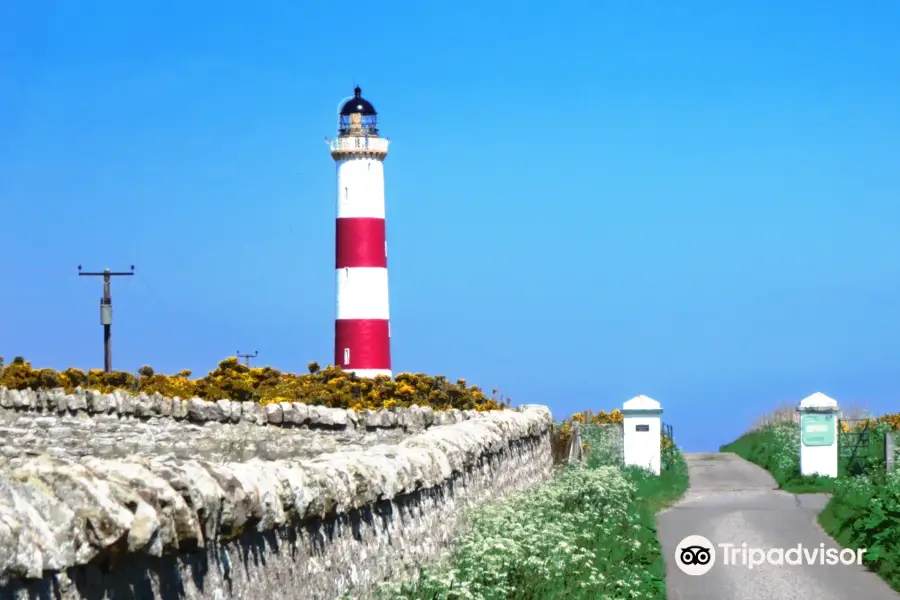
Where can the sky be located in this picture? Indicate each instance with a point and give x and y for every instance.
(586, 201)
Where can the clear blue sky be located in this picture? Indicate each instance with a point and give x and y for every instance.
(696, 201)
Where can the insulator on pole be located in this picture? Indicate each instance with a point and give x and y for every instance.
(105, 313)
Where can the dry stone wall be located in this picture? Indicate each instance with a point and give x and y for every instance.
(86, 518)
(119, 424)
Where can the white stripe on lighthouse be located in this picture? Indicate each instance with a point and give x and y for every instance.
(360, 183)
(362, 293)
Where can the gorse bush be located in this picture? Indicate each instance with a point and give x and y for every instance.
(889, 422)
(233, 380)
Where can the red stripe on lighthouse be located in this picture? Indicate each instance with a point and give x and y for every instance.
(368, 342)
(360, 242)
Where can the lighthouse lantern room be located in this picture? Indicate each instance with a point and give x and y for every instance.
(362, 335)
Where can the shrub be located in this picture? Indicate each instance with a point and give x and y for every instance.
(602, 447)
(562, 434)
(330, 386)
(774, 447)
(589, 533)
(864, 512)
(891, 420)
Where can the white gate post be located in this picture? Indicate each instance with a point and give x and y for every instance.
(642, 425)
(819, 435)
(890, 449)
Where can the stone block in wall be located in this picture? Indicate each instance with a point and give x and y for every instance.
(274, 414)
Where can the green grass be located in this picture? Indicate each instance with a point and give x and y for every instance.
(589, 533)
(658, 493)
(776, 448)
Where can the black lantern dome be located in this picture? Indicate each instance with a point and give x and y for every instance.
(358, 116)
(358, 104)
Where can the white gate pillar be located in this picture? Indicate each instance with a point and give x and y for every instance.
(819, 435)
(642, 433)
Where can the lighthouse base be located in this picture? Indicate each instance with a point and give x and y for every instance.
(370, 373)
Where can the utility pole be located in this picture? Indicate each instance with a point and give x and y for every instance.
(106, 311)
(247, 357)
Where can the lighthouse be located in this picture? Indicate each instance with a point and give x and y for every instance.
(362, 331)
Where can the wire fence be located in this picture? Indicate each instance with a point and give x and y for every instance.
(668, 449)
(598, 444)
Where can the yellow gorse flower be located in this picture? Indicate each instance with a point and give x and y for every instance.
(329, 386)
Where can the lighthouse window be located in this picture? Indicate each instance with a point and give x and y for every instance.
(346, 356)
(369, 165)
(346, 194)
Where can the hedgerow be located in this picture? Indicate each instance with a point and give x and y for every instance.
(233, 380)
(775, 447)
(864, 510)
(578, 537)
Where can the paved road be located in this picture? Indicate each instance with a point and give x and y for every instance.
(733, 501)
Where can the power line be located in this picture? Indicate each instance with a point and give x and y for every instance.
(106, 310)
(247, 357)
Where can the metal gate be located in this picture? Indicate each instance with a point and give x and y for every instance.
(854, 436)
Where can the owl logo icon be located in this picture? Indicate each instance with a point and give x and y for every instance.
(695, 555)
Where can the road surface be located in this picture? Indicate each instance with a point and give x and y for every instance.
(732, 501)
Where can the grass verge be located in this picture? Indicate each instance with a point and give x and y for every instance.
(776, 448)
(589, 533)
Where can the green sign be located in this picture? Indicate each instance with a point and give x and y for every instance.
(817, 429)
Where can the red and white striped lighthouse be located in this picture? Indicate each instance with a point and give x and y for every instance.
(362, 331)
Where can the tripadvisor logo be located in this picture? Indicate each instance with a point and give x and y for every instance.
(696, 555)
